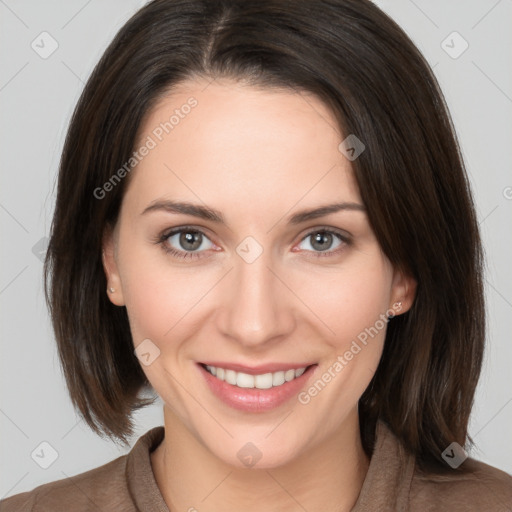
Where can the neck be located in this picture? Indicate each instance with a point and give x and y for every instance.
(326, 477)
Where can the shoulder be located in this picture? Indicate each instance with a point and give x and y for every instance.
(396, 482)
(479, 487)
(116, 485)
(96, 489)
(91, 490)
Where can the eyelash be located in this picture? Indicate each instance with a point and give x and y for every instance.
(162, 239)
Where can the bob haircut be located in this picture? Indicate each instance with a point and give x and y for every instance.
(411, 179)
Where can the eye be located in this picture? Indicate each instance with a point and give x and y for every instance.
(185, 242)
(322, 240)
(190, 243)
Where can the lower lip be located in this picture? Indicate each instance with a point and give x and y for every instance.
(253, 399)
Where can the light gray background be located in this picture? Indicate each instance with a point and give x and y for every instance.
(36, 99)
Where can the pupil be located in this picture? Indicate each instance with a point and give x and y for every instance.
(324, 240)
(192, 238)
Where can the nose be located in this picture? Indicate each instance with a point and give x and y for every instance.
(256, 306)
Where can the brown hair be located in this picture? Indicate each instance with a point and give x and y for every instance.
(411, 178)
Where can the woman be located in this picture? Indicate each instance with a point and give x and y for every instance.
(259, 217)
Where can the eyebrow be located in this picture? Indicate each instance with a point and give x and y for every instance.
(211, 214)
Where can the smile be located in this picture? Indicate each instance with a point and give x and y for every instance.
(262, 381)
(256, 390)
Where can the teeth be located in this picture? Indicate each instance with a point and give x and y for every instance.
(289, 375)
(277, 378)
(299, 372)
(243, 380)
(230, 377)
(263, 381)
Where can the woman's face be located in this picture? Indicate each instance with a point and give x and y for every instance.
(245, 281)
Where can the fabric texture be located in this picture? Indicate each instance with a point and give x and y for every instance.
(393, 483)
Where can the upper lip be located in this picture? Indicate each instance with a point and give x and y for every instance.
(259, 369)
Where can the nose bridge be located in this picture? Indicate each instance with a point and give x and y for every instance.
(257, 308)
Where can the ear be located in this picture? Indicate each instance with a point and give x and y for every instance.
(109, 259)
(403, 292)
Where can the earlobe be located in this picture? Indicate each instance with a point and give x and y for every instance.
(403, 292)
(114, 285)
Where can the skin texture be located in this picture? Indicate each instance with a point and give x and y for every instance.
(258, 156)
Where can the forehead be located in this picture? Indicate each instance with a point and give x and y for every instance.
(226, 141)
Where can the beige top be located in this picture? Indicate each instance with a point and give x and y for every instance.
(393, 484)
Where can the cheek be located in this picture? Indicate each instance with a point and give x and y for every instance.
(161, 303)
(353, 305)
(349, 301)
(160, 308)
(157, 297)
